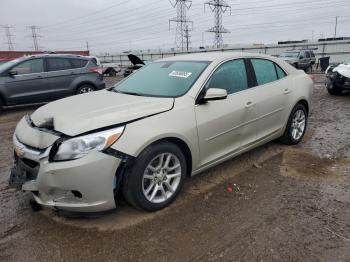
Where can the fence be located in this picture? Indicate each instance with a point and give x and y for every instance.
(337, 50)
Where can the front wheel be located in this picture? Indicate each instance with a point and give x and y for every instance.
(296, 126)
(333, 89)
(156, 178)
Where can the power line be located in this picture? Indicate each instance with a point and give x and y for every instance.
(218, 7)
(35, 36)
(181, 21)
(8, 36)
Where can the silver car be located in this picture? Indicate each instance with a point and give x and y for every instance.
(173, 118)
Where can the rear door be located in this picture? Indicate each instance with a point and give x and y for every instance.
(271, 95)
(29, 84)
(223, 125)
(60, 76)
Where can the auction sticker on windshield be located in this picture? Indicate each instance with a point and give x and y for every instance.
(181, 74)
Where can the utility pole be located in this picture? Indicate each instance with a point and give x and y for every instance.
(87, 45)
(181, 22)
(8, 36)
(187, 37)
(218, 7)
(34, 36)
(335, 27)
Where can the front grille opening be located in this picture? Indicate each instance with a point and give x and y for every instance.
(30, 162)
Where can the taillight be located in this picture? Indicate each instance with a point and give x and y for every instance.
(97, 70)
(313, 78)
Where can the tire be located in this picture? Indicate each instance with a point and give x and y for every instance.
(112, 72)
(1, 105)
(145, 186)
(334, 90)
(290, 136)
(85, 89)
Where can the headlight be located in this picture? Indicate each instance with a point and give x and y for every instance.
(78, 147)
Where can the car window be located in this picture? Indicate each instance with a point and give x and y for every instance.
(265, 71)
(312, 54)
(280, 72)
(29, 67)
(307, 54)
(78, 63)
(231, 76)
(57, 64)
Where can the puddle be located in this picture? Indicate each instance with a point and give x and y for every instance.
(305, 166)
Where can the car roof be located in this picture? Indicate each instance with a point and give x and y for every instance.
(213, 56)
(57, 56)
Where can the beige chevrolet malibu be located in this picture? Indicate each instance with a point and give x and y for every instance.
(171, 119)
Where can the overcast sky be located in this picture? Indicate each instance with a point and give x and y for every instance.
(118, 25)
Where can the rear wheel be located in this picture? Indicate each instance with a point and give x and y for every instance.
(85, 89)
(156, 178)
(296, 126)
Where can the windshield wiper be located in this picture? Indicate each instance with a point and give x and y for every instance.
(127, 93)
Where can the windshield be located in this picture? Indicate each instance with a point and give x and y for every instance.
(162, 79)
(290, 54)
(8, 64)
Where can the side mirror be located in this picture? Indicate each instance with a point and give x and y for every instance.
(13, 73)
(214, 94)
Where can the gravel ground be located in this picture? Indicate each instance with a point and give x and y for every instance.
(275, 203)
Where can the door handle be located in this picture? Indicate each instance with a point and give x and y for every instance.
(249, 104)
(39, 77)
(286, 91)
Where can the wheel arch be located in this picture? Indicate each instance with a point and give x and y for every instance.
(183, 147)
(305, 103)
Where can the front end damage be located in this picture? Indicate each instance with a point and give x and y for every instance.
(87, 184)
(338, 78)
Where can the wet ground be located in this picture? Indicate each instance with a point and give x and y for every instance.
(275, 203)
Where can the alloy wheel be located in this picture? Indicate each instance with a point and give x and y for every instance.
(161, 178)
(298, 124)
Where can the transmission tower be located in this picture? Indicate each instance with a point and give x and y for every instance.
(218, 7)
(182, 22)
(35, 36)
(8, 36)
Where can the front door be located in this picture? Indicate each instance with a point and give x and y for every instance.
(223, 125)
(28, 84)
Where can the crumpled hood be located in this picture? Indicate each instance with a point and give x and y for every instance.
(343, 70)
(82, 113)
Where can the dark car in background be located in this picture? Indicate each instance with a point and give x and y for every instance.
(136, 62)
(44, 78)
(300, 59)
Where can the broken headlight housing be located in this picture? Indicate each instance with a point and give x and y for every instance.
(80, 146)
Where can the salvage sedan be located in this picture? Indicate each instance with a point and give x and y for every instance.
(173, 118)
(338, 78)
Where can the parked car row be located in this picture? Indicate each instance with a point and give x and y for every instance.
(44, 78)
